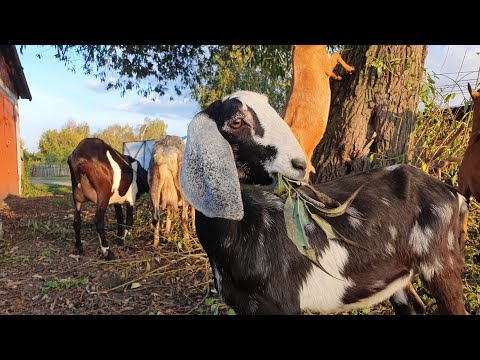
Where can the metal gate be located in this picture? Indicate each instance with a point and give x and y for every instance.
(140, 151)
(9, 175)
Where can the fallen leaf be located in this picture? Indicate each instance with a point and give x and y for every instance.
(135, 285)
(76, 257)
(37, 276)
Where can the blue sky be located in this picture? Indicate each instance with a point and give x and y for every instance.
(59, 95)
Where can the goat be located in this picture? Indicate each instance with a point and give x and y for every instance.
(103, 176)
(165, 191)
(469, 172)
(308, 104)
(409, 221)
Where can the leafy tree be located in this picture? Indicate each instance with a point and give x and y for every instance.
(151, 129)
(116, 134)
(55, 146)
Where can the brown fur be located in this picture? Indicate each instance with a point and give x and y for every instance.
(469, 173)
(307, 108)
(165, 188)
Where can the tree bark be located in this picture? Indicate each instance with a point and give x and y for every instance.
(373, 111)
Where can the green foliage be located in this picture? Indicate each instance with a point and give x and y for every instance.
(244, 68)
(151, 129)
(64, 284)
(441, 136)
(55, 146)
(115, 135)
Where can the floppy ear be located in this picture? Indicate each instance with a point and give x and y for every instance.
(208, 175)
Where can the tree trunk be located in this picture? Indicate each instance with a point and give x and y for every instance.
(373, 111)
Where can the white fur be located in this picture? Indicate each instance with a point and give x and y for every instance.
(105, 250)
(450, 239)
(382, 295)
(322, 292)
(401, 297)
(390, 249)
(429, 270)
(218, 278)
(385, 202)
(354, 222)
(276, 133)
(392, 167)
(393, 231)
(131, 194)
(443, 211)
(420, 239)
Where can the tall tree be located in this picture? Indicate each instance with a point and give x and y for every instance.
(56, 145)
(115, 135)
(373, 111)
(151, 129)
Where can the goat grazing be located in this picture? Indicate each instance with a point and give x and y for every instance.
(469, 172)
(408, 221)
(308, 105)
(165, 191)
(103, 176)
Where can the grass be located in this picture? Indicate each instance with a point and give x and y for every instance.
(53, 178)
(33, 190)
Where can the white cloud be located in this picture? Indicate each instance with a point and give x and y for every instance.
(97, 85)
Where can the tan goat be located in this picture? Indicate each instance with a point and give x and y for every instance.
(308, 105)
(165, 163)
(469, 172)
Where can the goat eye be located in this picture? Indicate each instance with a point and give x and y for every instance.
(236, 123)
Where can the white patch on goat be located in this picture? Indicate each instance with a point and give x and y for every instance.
(429, 270)
(390, 249)
(450, 239)
(320, 291)
(393, 231)
(400, 297)
(355, 223)
(218, 278)
(392, 167)
(126, 233)
(420, 239)
(276, 134)
(382, 295)
(253, 305)
(131, 194)
(450, 260)
(378, 284)
(385, 202)
(444, 212)
(105, 250)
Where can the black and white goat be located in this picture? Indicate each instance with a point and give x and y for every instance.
(103, 176)
(409, 221)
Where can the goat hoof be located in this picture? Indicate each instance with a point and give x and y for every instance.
(79, 251)
(118, 241)
(110, 256)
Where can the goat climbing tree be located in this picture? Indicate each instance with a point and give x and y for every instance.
(373, 111)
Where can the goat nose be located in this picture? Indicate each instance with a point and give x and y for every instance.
(299, 164)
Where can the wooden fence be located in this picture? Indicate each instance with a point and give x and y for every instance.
(49, 170)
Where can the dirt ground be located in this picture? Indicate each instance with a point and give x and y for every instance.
(41, 274)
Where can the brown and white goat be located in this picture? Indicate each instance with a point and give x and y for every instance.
(469, 172)
(408, 221)
(103, 176)
(308, 105)
(165, 191)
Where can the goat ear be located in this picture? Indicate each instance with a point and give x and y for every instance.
(208, 175)
(473, 92)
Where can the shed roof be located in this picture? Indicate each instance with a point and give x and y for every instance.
(10, 54)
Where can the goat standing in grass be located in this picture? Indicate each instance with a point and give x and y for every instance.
(103, 176)
(165, 191)
(469, 172)
(308, 105)
(407, 221)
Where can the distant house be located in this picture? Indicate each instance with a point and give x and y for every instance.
(13, 86)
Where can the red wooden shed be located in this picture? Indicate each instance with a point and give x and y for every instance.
(13, 86)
